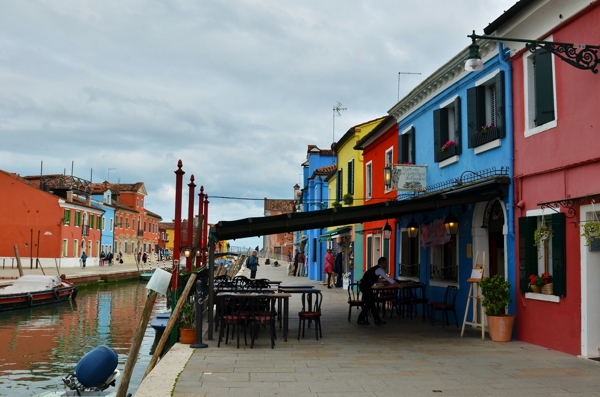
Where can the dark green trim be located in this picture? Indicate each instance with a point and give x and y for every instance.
(559, 254)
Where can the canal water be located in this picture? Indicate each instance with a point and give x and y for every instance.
(39, 346)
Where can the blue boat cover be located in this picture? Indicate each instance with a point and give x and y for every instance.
(96, 366)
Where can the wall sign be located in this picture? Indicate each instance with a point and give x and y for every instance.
(408, 177)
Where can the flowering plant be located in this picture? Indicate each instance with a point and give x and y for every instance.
(485, 129)
(446, 146)
(408, 163)
(540, 281)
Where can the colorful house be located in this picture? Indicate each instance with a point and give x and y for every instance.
(103, 201)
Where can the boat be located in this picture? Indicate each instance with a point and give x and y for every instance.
(36, 290)
(94, 374)
(159, 323)
(146, 276)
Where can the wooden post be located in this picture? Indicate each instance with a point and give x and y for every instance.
(170, 324)
(37, 254)
(3, 263)
(37, 261)
(136, 344)
(18, 261)
(57, 270)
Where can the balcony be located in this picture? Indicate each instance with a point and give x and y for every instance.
(140, 233)
(85, 230)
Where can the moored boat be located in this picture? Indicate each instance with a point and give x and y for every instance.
(36, 290)
(159, 323)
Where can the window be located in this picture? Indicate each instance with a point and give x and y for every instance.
(144, 226)
(350, 187)
(90, 253)
(446, 129)
(369, 180)
(485, 110)
(126, 223)
(92, 219)
(126, 251)
(67, 217)
(97, 247)
(406, 146)
(103, 223)
(121, 222)
(369, 252)
(444, 262)
(389, 160)
(339, 188)
(65, 247)
(77, 218)
(111, 225)
(137, 202)
(549, 257)
(75, 247)
(409, 256)
(540, 106)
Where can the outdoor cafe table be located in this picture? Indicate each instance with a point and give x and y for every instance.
(295, 287)
(401, 287)
(277, 296)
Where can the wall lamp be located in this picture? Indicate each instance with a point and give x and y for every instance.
(412, 228)
(451, 225)
(387, 176)
(387, 231)
(582, 56)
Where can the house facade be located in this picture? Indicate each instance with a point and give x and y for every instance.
(556, 165)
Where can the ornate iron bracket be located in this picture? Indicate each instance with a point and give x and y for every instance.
(582, 56)
(566, 204)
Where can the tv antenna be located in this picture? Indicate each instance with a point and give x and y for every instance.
(400, 73)
(337, 113)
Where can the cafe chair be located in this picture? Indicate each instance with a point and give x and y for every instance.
(234, 312)
(262, 314)
(311, 311)
(418, 297)
(354, 298)
(448, 305)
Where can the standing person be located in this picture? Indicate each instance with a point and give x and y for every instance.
(369, 278)
(289, 256)
(329, 261)
(83, 258)
(109, 258)
(253, 264)
(120, 258)
(102, 258)
(339, 269)
(139, 257)
(144, 258)
(298, 269)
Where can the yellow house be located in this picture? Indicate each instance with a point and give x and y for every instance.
(169, 234)
(346, 187)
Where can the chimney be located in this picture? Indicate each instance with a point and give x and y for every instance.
(69, 196)
(88, 200)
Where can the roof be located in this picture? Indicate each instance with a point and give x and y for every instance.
(167, 225)
(507, 16)
(117, 188)
(123, 207)
(152, 214)
(351, 131)
(375, 133)
(326, 169)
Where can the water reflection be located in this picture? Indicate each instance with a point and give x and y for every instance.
(40, 345)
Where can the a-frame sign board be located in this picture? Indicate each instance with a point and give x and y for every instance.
(477, 320)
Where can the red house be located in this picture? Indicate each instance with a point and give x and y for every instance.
(556, 168)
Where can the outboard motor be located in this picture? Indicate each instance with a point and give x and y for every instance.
(96, 371)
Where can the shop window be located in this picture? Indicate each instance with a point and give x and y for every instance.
(540, 106)
(548, 257)
(447, 131)
(406, 146)
(444, 262)
(409, 256)
(485, 111)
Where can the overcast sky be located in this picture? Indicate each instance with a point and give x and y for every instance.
(236, 89)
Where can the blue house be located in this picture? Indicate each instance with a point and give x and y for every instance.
(314, 197)
(103, 200)
(459, 125)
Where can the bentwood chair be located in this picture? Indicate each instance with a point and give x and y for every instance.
(448, 305)
(354, 298)
(311, 311)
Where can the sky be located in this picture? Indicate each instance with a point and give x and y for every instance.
(236, 89)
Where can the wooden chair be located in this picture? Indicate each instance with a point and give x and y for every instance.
(311, 311)
(263, 313)
(354, 298)
(234, 311)
(418, 297)
(448, 305)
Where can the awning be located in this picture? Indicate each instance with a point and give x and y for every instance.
(335, 233)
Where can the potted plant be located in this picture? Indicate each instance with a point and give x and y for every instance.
(535, 283)
(348, 198)
(447, 145)
(591, 230)
(485, 129)
(187, 325)
(496, 297)
(336, 204)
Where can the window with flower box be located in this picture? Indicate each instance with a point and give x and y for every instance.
(485, 110)
(548, 257)
(447, 131)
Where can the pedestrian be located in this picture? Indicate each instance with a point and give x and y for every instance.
(366, 283)
(83, 258)
(300, 266)
(253, 264)
(329, 261)
(102, 258)
(120, 258)
(144, 258)
(289, 256)
(109, 258)
(339, 269)
(139, 257)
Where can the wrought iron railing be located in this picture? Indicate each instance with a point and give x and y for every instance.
(467, 178)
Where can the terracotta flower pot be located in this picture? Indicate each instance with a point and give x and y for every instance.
(535, 288)
(187, 336)
(501, 327)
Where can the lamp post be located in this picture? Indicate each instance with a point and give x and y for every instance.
(581, 56)
(387, 231)
(176, 241)
(190, 228)
(412, 229)
(387, 176)
(451, 225)
(201, 228)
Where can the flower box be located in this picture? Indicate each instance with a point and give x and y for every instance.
(447, 153)
(479, 139)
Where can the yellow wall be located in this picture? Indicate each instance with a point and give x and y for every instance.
(171, 233)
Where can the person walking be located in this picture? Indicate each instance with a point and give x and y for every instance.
(369, 278)
(102, 258)
(253, 264)
(109, 258)
(144, 258)
(329, 261)
(339, 269)
(139, 257)
(298, 268)
(83, 259)
(120, 258)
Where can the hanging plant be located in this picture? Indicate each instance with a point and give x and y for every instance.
(591, 230)
(336, 204)
(348, 198)
(542, 233)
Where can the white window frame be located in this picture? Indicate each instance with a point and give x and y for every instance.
(65, 252)
(529, 96)
(369, 180)
(389, 155)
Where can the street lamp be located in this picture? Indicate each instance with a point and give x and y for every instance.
(387, 176)
(582, 56)
(387, 231)
(451, 225)
(412, 229)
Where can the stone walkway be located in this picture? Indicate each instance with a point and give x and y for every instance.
(405, 357)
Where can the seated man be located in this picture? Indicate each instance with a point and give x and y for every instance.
(369, 278)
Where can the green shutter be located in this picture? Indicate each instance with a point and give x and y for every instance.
(527, 251)
(91, 221)
(437, 134)
(413, 152)
(369, 252)
(500, 113)
(457, 126)
(475, 111)
(351, 177)
(67, 217)
(100, 222)
(559, 254)
(401, 149)
(340, 183)
(544, 92)
(386, 249)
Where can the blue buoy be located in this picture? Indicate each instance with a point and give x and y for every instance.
(96, 366)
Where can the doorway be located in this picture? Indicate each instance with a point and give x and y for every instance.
(590, 293)
(495, 224)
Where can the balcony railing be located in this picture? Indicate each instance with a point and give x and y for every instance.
(85, 230)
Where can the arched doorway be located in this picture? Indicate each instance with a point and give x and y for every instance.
(489, 235)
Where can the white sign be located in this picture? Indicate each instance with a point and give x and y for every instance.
(409, 177)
